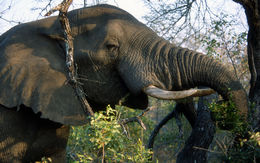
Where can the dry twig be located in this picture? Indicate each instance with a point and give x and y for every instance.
(123, 122)
(72, 67)
(172, 114)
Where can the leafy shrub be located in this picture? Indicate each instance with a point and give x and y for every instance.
(227, 116)
(245, 146)
(103, 139)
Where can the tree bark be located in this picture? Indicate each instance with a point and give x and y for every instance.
(71, 65)
(252, 10)
(196, 147)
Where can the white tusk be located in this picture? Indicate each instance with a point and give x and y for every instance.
(175, 95)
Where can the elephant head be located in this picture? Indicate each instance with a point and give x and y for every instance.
(117, 58)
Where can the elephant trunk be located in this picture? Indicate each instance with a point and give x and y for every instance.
(191, 69)
(180, 69)
(162, 64)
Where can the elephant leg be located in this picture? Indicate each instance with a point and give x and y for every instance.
(24, 137)
(50, 141)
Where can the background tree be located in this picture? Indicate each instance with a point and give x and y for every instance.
(215, 31)
(188, 21)
(202, 27)
(5, 8)
(252, 11)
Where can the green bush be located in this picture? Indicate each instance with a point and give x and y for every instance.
(245, 146)
(227, 117)
(103, 139)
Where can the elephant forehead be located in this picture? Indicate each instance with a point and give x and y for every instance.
(82, 28)
(122, 29)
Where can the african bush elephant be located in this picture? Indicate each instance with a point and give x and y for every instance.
(117, 58)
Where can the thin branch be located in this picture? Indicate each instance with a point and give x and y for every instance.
(44, 9)
(5, 10)
(172, 114)
(63, 8)
(10, 21)
(8, 8)
(71, 66)
(123, 122)
(205, 149)
(230, 57)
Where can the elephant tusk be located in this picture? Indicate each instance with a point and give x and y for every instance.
(176, 95)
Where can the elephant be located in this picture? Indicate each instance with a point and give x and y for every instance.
(119, 60)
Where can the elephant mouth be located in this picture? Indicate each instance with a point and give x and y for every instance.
(156, 92)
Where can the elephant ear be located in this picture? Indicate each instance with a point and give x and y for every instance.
(33, 73)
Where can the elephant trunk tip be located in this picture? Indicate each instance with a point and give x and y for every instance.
(240, 99)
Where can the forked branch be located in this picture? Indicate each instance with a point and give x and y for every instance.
(71, 65)
(124, 122)
(172, 114)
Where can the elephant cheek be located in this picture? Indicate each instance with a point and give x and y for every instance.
(135, 76)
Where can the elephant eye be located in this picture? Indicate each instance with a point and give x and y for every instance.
(112, 44)
(112, 47)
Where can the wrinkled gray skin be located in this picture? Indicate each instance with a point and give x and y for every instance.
(117, 56)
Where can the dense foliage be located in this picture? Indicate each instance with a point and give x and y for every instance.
(103, 140)
(244, 144)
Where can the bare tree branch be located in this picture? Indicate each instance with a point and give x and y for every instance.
(71, 65)
(172, 114)
(8, 8)
(10, 21)
(124, 122)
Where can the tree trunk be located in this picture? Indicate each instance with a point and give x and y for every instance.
(252, 10)
(196, 147)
